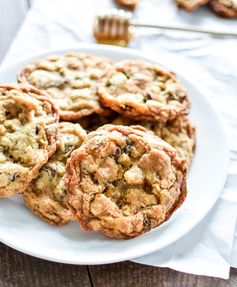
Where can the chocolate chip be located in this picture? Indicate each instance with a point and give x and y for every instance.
(68, 149)
(128, 147)
(13, 176)
(147, 187)
(147, 223)
(51, 171)
(171, 96)
(37, 130)
(147, 97)
(118, 152)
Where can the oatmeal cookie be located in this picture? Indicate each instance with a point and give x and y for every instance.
(128, 4)
(225, 8)
(190, 5)
(70, 80)
(124, 181)
(28, 135)
(143, 91)
(46, 196)
(180, 133)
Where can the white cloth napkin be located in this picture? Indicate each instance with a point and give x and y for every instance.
(209, 62)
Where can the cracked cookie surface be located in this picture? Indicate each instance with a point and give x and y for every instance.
(225, 8)
(28, 135)
(143, 91)
(46, 196)
(179, 133)
(70, 80)
(124, 181)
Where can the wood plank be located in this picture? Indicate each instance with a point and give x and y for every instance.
(17, 269)
(12, 14)
(20, 270)
(127, 274)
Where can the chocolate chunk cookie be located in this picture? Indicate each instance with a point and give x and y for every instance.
(225, 8)
(190, 5)
(180, 133)
(47, 195)
(28, 135)
(124, 181)
(71, 82)
(143, 91)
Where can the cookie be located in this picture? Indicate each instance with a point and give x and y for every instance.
(70, 80)
(179, 133)
(28, 135)
(46, 196)
(225, 8)
(190, 5)
(124, 181)
(143, 91)
(128, 4)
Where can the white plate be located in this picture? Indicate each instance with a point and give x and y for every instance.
(25, 232)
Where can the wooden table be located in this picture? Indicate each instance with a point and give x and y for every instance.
(17, 269)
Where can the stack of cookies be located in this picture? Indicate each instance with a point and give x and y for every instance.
(106, 144)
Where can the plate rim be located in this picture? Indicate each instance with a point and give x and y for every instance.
(92, 49)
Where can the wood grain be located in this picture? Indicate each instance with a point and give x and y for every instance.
(127, 274)
(20, 270)
(12, 13)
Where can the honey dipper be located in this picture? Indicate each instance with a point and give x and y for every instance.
(116, 28)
